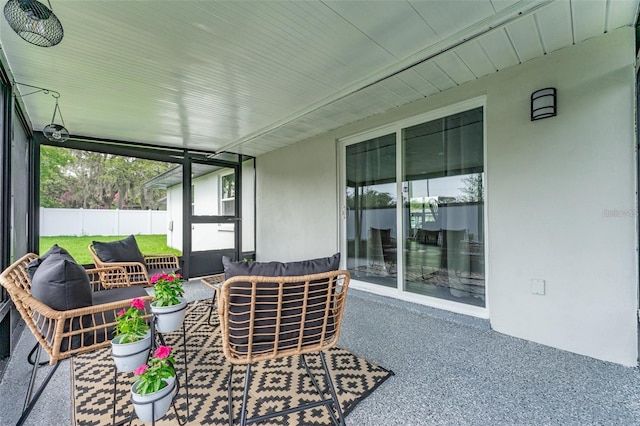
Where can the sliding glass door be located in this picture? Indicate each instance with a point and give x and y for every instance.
(371, 210)
(414, 208)
(442, 169)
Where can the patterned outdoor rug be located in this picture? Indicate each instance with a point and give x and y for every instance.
(274, 384)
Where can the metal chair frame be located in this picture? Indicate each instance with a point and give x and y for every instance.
(265, 318)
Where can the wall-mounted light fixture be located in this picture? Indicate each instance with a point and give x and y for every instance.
(543, 103)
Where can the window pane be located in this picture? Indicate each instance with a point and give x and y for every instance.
(372, 201)
(443, 176)
(228, 186)
(228, 194)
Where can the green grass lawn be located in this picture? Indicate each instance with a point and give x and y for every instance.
(78, 246)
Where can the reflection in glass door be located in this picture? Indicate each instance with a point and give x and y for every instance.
(438, 250)
(371, 229)
(443, 174)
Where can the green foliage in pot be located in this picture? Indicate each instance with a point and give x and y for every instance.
(167, 288)
(150, 377)
(130, 323)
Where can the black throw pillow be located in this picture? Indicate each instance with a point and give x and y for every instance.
(125, 250)
(280, 269)
(289, 330)
(60, 283)
(32, 267)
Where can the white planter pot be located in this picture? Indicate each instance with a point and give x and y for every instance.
(129, 356)
(169, 318)
(153, 406)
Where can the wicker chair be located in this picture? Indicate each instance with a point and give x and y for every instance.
(139, 273)
(63, 334)
(265, 318)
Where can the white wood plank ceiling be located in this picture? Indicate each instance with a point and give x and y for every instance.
(254, 76)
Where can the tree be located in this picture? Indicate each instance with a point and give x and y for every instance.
(53, 164)
(473, 188)
(83, 179)
(370, 198)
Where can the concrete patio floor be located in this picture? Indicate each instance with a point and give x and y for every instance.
(449, 370)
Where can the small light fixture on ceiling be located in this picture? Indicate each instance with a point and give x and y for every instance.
(54, 132)
(34, 22)
(543, 103)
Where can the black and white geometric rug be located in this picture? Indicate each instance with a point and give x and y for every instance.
(274, 384)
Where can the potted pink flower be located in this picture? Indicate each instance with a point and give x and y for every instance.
(154, 385)
(167, 289)
(169, 307)
(132, 337)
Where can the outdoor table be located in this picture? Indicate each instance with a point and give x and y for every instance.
(214, 282)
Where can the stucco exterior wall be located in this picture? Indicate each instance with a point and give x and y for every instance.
(550, 185)
(560, 197)
(297, 202)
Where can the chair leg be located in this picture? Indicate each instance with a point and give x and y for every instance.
(229, 396)
(30, 401)
(35, 348)
(213, 306)
(34, 371)
(321, 393)
(328, 402)
(332, 390)
(245, 395)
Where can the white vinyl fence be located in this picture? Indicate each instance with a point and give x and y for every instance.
(56, 222)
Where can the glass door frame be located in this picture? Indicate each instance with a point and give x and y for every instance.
(399, 292)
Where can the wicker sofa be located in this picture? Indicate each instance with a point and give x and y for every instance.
(64, 333)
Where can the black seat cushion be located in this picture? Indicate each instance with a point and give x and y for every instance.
(289, 330)
(60, 283)
(125, 250)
